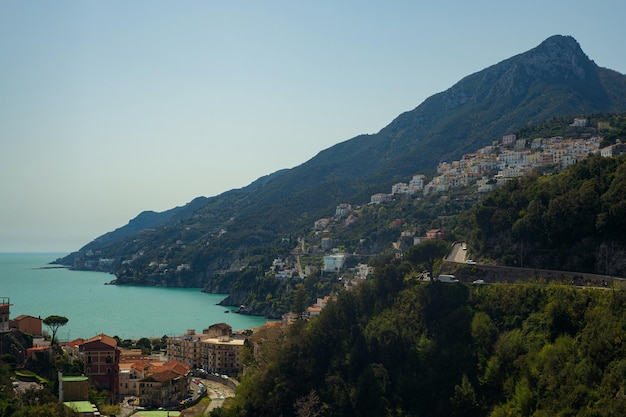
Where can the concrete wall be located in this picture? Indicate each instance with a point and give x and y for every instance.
(493, 273)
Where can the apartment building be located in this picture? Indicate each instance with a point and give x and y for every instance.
(154, 383)
(101, 356)
(216, 350)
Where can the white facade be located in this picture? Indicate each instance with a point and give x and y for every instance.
(379, 198)
(334, 263)
(417, 182)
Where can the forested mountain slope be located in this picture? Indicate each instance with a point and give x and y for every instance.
(573, 220)
(401, 347)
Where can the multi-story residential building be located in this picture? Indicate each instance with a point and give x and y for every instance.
(613, 150)
(153, 382)
(417, 182)
(466, 161)
(511, 158)
(364, 270)
(537, 143)
(520, 143)
(101, 356)
(380, 198)
(571, 159)
(160, 389)
(487, 149)
(402, 188)
(343, 209)
(217, 349)
(512, 172)
(533, 159)
(185, 348)
(221, 354)
(558, 153)
(485, 185)
(334, 263)
(508, 139)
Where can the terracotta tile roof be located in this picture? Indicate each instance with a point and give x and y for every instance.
(24, 316)
(107, 340)
(154, 367)
(38, 348)
(164, 376)
(75, 342)
(176, 366)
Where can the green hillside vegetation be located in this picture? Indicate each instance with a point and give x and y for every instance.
(32, 402)
(233, 256)
(611, 126)
(395, 346)
(573, 220)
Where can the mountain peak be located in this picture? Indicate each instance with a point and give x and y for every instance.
(558, 57)
(560, 42)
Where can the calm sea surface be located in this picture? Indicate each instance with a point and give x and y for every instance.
(93, 308)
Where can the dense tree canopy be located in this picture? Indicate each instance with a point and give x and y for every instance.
(572, 221)
(439, 350)
(428, 253)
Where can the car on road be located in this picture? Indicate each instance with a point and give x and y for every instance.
(447, 278)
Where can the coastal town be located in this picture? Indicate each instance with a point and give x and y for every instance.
(192, 366)
(206, 363)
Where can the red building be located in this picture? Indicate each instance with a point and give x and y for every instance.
(27, 324)
(101, 357)
(435, 234)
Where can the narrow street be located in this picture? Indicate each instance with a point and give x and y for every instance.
(217, 392)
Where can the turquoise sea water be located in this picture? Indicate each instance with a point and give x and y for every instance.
(93, 308)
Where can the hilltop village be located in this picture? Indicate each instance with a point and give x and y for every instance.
(479, 172)
(329, 249)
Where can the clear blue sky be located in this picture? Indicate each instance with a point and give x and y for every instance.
(109, 108)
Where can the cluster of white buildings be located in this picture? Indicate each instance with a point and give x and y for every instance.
(510, 158)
